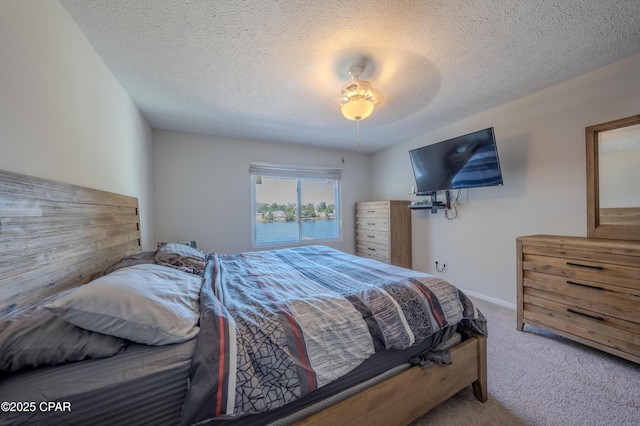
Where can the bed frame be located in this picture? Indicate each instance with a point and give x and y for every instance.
(407, 396)
(55, 236)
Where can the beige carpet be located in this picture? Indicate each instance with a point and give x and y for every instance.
(464, 409)
(537, 378)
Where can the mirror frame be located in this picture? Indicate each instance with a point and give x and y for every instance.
(630, 229)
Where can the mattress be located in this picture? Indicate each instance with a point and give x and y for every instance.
(140, 385)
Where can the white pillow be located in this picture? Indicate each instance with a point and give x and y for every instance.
(147, 303)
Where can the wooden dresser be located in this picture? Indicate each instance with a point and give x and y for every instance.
(585, 289)
(383, 231)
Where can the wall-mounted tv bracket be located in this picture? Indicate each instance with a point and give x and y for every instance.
(434, 205)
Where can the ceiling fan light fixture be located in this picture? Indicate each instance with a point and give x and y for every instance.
(357, 108)
(357, 96)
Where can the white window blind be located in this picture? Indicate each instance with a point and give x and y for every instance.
(285, 170)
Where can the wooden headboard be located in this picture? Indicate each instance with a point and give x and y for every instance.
(55, 236)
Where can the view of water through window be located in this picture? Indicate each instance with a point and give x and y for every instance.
(281, 232)
(276, 214)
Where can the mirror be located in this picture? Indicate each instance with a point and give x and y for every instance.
(613, 179)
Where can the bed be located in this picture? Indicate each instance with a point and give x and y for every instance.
(336, 341)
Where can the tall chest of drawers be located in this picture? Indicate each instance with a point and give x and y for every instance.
(383, 231)
(585, 289)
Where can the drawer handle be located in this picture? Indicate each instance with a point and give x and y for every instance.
(585, 285)
(372, 249)
(371, 211)
(585, 315)
(585, 266)
(371, 223)
(371, 236)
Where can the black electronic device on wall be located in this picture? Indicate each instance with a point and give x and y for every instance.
(467, 161)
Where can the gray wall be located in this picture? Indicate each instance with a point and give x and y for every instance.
(541, 144)
(203, 188)
(63, 115)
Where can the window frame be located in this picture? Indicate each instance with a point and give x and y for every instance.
(300, 174)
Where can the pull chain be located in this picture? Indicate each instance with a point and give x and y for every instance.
(358, 134)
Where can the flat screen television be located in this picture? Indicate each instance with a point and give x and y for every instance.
(468, 161)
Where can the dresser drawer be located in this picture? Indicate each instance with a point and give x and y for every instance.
(373, 250)
(372, 236)
(624, 256)
(369, 210)
(591, 326)
(603, 299)
(372, 223)
(579, 269)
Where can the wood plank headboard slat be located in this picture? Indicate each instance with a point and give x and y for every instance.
(55, 236)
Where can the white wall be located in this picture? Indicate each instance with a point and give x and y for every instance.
(541, 144)
(203, 188)
(620, 177)
(63, 115)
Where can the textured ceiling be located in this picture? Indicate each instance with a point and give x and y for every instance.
(271, 70)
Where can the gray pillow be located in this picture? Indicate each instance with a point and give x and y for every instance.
(146, 303)
(182, 257)
(34, 337)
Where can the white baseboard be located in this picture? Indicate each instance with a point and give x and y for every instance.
(489, 299)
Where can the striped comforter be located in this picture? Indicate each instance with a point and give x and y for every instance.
(278, 324)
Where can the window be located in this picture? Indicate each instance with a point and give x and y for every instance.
(293, 204)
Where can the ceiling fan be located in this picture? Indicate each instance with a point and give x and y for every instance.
(357, 97)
